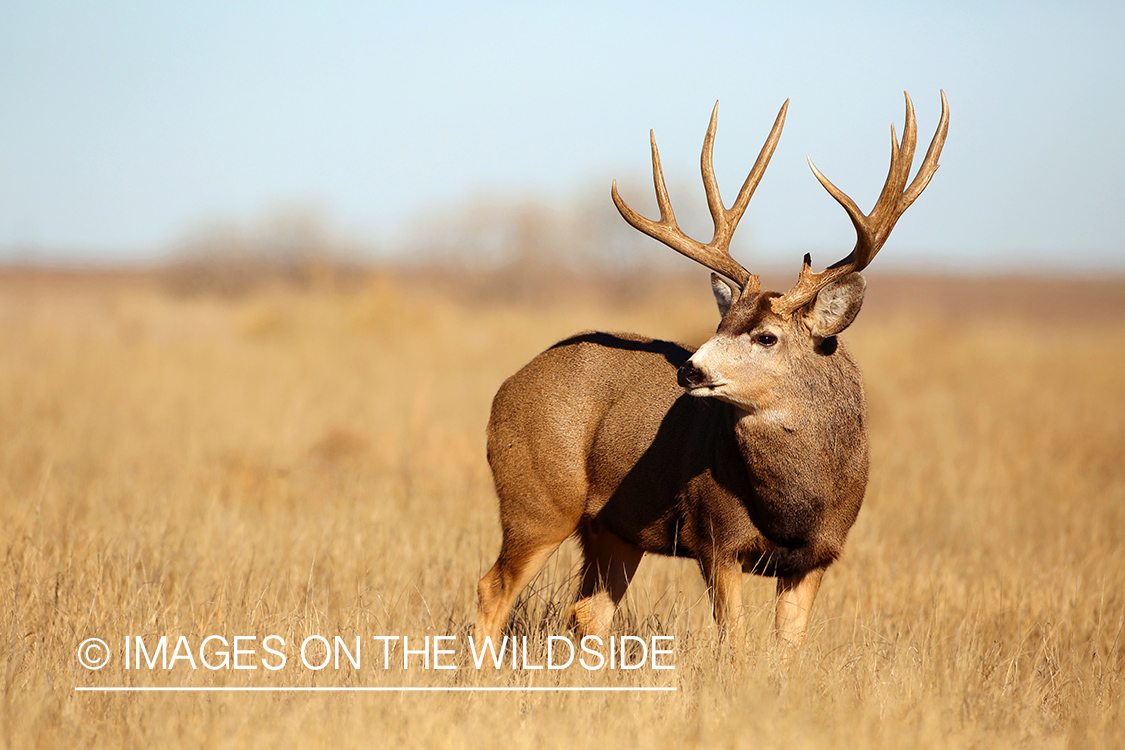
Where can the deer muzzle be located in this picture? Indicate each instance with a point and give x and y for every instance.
(689, 376)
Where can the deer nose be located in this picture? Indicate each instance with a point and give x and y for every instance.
(689, 376)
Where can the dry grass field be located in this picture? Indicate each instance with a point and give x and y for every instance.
(303, 459)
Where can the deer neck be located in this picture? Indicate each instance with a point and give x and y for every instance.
(804, 445)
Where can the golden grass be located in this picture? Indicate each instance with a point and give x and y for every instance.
(311, 461)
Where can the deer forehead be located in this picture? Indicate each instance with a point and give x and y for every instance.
(751, 312)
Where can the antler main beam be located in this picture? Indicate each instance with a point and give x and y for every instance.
(871, 229)
(715, 254)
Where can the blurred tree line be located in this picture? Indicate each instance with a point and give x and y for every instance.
(498, 235)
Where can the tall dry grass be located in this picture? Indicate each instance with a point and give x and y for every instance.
(310, 461)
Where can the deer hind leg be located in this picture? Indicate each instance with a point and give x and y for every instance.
(607, 569)
(795, 596)
(497, 591)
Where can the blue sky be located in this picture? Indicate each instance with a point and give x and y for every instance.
(125, 125)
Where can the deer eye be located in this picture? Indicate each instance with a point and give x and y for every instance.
(766, 339)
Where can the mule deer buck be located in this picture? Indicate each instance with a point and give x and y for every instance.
(748, 454)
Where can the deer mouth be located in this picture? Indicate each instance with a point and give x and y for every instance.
(704, 389)
(720, 392)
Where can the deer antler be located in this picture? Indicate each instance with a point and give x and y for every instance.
(872, 229)
(715, 254)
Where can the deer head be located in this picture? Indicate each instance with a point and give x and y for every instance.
(768, 343)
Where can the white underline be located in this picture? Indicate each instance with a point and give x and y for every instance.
(399, 689)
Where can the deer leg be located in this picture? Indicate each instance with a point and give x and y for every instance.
(607, 569)
(498, 589)
(795, 596)
(724, 584)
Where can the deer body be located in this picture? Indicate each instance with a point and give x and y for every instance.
(748, 455)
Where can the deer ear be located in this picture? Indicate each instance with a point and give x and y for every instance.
(835, 306)
(725, 294)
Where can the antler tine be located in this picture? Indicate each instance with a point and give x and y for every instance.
(710, 184)
(929, 164)
(662, 202)
(760, 164)
(872, 229)
(715, 254)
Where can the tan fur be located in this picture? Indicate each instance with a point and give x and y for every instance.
(595, 437)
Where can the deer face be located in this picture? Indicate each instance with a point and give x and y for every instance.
(757, 354)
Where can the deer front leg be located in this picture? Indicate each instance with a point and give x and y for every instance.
(795, 596)
(724, 584)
